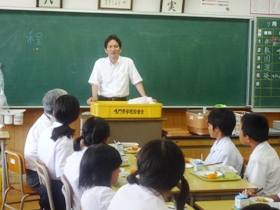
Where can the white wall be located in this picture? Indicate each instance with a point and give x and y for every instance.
(238, 7)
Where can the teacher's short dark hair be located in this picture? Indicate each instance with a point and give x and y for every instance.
(112, 37)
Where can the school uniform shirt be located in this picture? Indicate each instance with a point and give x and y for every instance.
(263, 169)
(225, 151)
(97, 198)
(31, 144)
(54, 153)
(137, 197)
(72, 172)
(113, 79)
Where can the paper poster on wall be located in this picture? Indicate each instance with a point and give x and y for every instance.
(215, 6)
(265, 7)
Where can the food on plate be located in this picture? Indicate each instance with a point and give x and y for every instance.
(135, 148)
(187, 160)
(212, 176)
(132, 171)
(262, 200)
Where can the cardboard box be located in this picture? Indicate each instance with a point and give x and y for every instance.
(197, 122)
(121, 109)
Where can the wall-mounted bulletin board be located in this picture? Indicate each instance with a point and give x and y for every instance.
(184, 61)
(266, 79)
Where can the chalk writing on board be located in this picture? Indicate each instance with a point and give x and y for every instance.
(267, 62)
(34, 38)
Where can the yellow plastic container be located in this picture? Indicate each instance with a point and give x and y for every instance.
(121, 109)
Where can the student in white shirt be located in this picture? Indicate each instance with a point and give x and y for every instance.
(31, 143)
(263, 169)
(160, 167)
(110, 76)
(56, 144)
(99, 169)
(221, 122)
(95, 130)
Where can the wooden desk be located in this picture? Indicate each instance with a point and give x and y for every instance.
(214, 205)
(4, 136)
(204, 190)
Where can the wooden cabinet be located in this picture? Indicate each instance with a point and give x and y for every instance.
(199, 146)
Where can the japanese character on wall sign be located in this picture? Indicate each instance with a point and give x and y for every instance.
(49, 3)
(172, 6)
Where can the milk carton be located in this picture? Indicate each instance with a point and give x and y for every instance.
(197, 165)
(241, 201)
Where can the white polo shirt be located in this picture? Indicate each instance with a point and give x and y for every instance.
(137, 197)
(263, 169)
(54, 153)
(72, 172)
(113, 79)
(97, 198)
(31, 144)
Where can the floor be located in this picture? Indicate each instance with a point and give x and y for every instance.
(15, 196)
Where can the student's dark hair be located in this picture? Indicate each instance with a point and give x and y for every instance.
(66, 110)
(161, 166)
(259, 206)
(224, 119)
(255, 126)
(95, 130)
(97, 165)
(112, 37)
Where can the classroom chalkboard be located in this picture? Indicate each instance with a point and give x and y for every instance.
(184, 61)
(266, 84)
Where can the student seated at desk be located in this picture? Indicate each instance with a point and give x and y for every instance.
(160, 167)
(263, 169)
(259, 206)
(95, 130)
(221, 122)
(99, 169)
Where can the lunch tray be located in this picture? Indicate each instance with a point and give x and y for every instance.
(218, 179)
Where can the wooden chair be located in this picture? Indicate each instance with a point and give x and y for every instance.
(67, 192)
(15, 164)
(45, 180)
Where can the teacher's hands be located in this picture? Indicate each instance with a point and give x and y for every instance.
(91, 99)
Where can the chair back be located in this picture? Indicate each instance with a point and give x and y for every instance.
(67, 192)
(45, 180)
(15, 163)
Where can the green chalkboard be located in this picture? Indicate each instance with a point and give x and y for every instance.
(267, 63)
(184, 61)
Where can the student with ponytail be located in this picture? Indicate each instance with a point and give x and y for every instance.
(95, 131)
(56, 144)
(160, 167)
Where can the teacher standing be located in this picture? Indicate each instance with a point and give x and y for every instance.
(110, 76)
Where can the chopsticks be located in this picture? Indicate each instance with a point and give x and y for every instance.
(258, 190)
(213, 164)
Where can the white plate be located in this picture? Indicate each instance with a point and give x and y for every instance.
(205, 173)
(129, 150)
(188, 165)
(129, 144)
(259, 199)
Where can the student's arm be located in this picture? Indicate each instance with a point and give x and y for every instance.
(274, 197)
(139, 86)
(94, 90)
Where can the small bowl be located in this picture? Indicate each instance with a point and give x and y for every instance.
(214, 168)
(230, 175)
(122, 179)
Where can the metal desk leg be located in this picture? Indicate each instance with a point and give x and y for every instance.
(191, 200)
